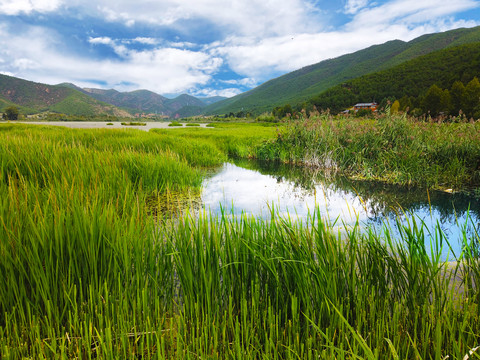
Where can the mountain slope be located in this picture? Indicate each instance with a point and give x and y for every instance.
(144, 101)
(301, 85)
(139, 101)
(33, 97)
(411, 78)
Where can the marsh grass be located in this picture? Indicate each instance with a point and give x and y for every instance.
(393, 149)
(238, 140)
(89, 270)
(133, 123)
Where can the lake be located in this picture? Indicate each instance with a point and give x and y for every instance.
(253, 188)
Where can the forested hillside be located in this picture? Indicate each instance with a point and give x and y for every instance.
(410, 79)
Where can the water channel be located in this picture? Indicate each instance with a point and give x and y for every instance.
(253, 188)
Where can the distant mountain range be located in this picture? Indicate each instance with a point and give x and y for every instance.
(66, 98)
(304, 84)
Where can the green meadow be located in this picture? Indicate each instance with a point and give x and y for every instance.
(94, 267)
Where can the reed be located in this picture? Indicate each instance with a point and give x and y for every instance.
(394, 149)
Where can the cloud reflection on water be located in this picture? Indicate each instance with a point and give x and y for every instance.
(237, 190)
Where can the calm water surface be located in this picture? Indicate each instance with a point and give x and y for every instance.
(254, 188)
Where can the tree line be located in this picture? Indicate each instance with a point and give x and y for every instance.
(460, 99)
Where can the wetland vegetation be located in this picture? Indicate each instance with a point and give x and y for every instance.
(91, 267)
(392, 149)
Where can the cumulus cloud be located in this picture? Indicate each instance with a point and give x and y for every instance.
(15, 7)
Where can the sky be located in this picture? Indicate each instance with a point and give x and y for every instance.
(203, 47)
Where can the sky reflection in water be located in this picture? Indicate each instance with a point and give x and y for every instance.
(239, 190)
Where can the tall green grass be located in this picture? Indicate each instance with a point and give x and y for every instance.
(394, 149)
(88, 271)
(238, 140)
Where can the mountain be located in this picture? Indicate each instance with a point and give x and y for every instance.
(212, 100)
(409, 79)
(144, 101)
(182, 101)
(32, 97)
(303, 84)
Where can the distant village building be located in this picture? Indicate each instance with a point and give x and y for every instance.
(371, 106)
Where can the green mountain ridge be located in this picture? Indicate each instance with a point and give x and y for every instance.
(301, 85)
(32, 97)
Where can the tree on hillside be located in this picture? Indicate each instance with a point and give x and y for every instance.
(471, 99)
(11, 113)
(407, 103)
(436, 101)
(457, 92)
(282, 111)
(395, 107)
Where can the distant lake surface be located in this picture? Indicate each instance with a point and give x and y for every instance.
(103, 124)
(253, 188)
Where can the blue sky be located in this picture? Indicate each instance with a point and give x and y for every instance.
(203, 47)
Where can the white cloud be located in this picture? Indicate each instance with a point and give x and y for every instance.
(145, 40)
(209, 92)
(113, 16)
(101, 40)
(353, 6)
(15, 7)
(249, 82)
(410, 12)
(257, 18)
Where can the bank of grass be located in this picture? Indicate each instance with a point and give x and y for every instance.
(394, 149)
(91, 270)
(239, 140)
(134, 123)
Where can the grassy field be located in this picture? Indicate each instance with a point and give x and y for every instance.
(393, 149)
(91, 269)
